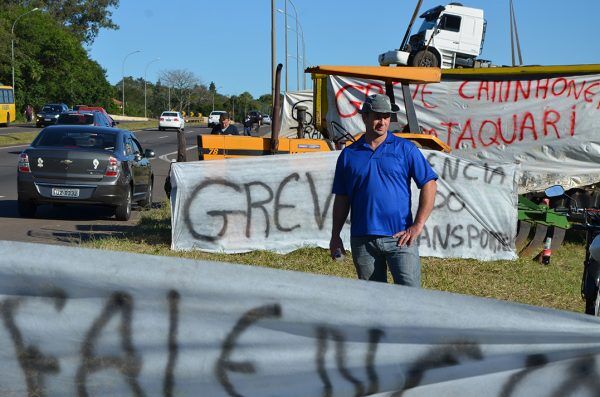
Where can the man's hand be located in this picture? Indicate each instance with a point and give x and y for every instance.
(408, 236)
(336, 244)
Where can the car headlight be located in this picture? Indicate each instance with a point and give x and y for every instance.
(55, 116)
(39, 115)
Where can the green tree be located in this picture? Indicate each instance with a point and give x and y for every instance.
(51, 64)
(83, 18)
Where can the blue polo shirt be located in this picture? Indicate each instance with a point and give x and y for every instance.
(377, 183)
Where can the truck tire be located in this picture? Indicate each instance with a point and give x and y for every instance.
(425, 58)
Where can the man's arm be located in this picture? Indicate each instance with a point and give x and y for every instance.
(341, 208)
(426, 202)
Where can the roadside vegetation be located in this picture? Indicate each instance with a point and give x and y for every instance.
(24, 138)
(524, 281)
(52, 64)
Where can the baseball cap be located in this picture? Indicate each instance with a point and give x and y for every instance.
(378, 103)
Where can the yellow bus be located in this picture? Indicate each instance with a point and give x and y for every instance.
(7, 105)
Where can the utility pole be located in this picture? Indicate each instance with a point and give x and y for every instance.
(273, 52)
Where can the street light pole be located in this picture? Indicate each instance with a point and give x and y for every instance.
(123, 78)
(145, 71)
(233, 111)
(273, 52)
(303, 58)
(285, 15)
(213, 97)
(12, 47)
(297, 46)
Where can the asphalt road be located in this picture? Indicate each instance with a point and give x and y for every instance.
(73, 224)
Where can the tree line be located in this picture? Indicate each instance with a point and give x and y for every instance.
(52, 65)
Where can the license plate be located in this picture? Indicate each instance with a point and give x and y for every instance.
(61, 192)
(168, 119)
(47, 119)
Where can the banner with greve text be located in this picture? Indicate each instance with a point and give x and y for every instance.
(548, 125)
(282, 203)
(81, 322)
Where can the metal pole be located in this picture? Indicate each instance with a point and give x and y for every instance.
(213, 101)
(297, 51)
(273, 51)
(12, 48)
(297, 54)
(286, 45)
(303, 58)
(169, 88)
(123, 79)
(145, 71)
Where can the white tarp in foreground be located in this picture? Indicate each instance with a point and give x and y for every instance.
(79, 322)
(281, 203)
(549, 125)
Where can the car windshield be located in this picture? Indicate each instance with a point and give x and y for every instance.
(216, 113)
(76, 139)
(169, 114)
(80, 119)
(51, 109)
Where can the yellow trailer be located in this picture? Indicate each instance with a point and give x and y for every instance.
(214, 147)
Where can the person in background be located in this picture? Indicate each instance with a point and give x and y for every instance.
(372, 179)
(248, 125)
(225, 127)
(29, 113)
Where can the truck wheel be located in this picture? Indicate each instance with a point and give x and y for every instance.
(426, 59)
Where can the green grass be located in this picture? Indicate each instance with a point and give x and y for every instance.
(24, 138)
(524, 280)
(18, 138)
(138, 125)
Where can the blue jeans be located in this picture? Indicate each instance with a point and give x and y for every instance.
(372, 253)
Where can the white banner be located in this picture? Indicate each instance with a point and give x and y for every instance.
(281, 203)
(80, 322)
(548, 125)
(289, 114)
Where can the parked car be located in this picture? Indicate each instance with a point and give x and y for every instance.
(84, 117)
(171, 120)
(72, 164)
(266, 119)
(213, 117)
(100, 109)
(255, 117)
(49, 114)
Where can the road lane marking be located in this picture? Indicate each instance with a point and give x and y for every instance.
(161, 137)
(164, 157)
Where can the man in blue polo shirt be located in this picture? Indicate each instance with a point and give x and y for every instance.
(373, 178)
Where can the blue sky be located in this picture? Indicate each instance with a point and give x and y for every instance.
(229, 41)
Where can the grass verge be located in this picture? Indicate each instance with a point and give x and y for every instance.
(18, 138)
(524, 281)
(24, 138)
(138, 125)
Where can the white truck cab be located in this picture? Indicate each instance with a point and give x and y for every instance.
(450, 36)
